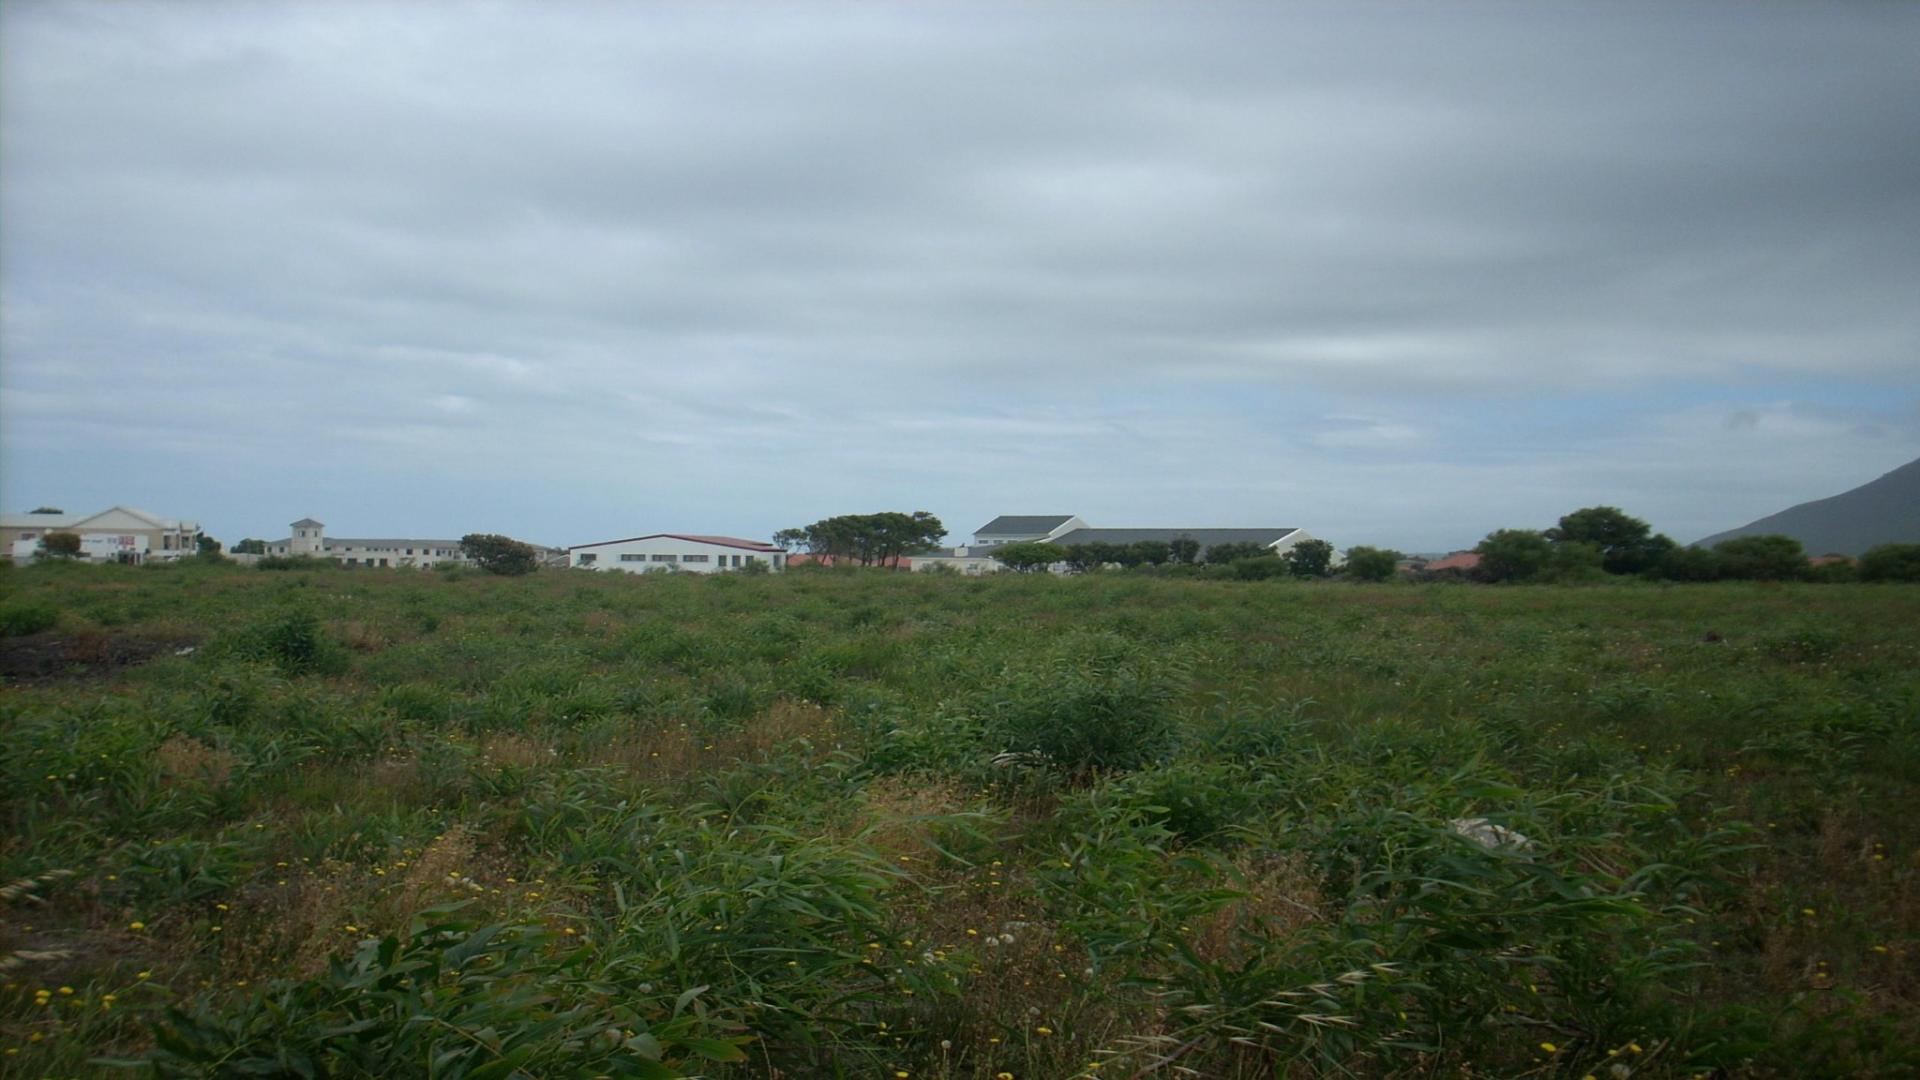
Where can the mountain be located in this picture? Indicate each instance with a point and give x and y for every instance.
(1882, 512)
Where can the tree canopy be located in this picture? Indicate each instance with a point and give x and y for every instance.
(1626, 544)
(1029, 557)
(500, 554)
(867, 538)
(1514, 554)
(1309, 558)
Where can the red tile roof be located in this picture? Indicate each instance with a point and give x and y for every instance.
(1459, 560)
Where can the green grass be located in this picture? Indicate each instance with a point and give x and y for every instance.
(391, 823)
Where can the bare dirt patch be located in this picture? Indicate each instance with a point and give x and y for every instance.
(60, 656)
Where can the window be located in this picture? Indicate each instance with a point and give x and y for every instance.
(629, 556)
(586, 558)
(736, 560)
(693, 558)
(666, 558)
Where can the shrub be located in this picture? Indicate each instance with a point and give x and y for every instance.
(61, 545)
(1371, 563)
(294, 641)
(1513, 554)
(1891, 562)
(18, 620)
(1309, 558)
(1099, 703)
(1772, 557)
(500, 554)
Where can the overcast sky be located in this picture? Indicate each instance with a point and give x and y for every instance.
(1397, 275)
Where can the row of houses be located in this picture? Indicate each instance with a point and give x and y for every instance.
(711, 554)
(128, 535)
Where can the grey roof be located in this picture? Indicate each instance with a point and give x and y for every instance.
(307, 523)
(1207, 538)
(1022, 525)
(349, 541)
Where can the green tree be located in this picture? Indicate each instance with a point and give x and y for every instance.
(250, 546)
(500, 554)
(1371, 563)
(1891, 562)
(46, 510)
(1184, 551)
(207, 545)
(1770, 557)
(1309, 558)
(868, 538)
(1690, 564)
(1030, 557)
(61, 545)
(1235, 550)
(1151, 552)
(1514, 554)
(1626, 544)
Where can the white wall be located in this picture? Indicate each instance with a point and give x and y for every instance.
(667, 553)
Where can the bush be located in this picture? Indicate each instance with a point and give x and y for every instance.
(1309, 558)
(1099, 703)
(19, 620)
(1371, 563)
(500, 554)
(1772, 557)
(60, 545)
(1891, 562)
(295, 642)
(1513, 554)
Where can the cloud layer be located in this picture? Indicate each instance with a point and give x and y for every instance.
(1392, 275)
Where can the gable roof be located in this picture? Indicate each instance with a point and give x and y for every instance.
(308, 523)
(718, 541)
(1023, 525)
(141, 519)
(1207, 538)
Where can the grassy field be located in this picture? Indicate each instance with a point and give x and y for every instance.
(327, 823)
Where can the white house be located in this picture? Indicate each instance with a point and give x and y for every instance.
(685, 552)
(310, 538)
(1064, 529)
(117, 534)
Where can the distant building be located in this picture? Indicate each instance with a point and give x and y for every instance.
(1065, 529)
(117, 534)
(686, 552)
(1459, 562)
(1024, 529)
(310, 539)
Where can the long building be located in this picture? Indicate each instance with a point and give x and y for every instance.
(310, 539)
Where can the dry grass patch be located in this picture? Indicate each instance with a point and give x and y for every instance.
(184, 759)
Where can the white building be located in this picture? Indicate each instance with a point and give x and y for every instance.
(1064, 529)
(117, 534)
(310, 539)
(675, 551)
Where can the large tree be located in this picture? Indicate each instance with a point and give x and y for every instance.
(1626, 544)
(500, 554)
(867, 538)
(1891, 562)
